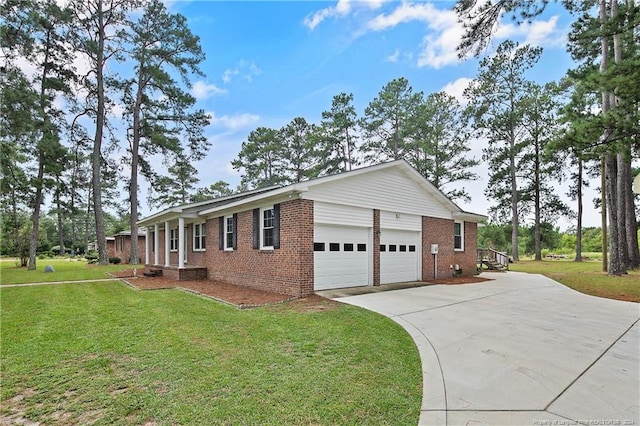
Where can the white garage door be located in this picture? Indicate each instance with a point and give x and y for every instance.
(399, 254)
(340, 256)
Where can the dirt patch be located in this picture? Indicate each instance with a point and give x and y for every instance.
(313, 303)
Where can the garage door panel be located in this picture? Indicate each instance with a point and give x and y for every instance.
(341, 257)
(399, 256)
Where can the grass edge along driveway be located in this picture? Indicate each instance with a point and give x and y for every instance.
(586, 277)
(103, 353)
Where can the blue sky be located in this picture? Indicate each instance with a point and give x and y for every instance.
(269, 62)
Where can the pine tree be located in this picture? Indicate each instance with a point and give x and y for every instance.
(497, 102)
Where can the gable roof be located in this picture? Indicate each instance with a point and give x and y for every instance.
(214, 207)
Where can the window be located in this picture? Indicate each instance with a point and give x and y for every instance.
(348, 247)
(393, 247)
(362, 247)
(383, 247)
(412, 248)
(403, 248)
(229, 230)
(458, 236)
(199, 235)
(318, 246)
(334, 246)
(173, 239)
(267, 227)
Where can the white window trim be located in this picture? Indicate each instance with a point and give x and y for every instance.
(201, 225)
(461, 236)
(227, 247)
(262, 246)
(173, 236)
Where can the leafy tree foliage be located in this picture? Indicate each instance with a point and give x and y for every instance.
(339, 128)
(388, 120)
(609, 39)
(260, 159)
(43, 27)
(540, 130)
(497, 101)
(439, 144)
(159, 108)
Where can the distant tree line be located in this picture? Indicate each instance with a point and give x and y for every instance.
(59, 124)
(65, 70)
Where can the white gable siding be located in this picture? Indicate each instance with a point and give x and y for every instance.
(342, 215)
(387, 189)
(393, 220)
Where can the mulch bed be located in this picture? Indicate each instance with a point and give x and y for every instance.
(460, 280)
(239, 296)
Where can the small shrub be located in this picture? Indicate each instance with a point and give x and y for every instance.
(115, 260)
(91, 256)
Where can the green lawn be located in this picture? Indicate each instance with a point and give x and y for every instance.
(65, 270)
(103, 353)
(586, 277)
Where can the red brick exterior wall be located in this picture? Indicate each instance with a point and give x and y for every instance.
(111, 248)
(124, 242)
(440, 231)
(287, 270)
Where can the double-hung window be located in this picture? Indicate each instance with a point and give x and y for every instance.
(458, 236)
(199, 237)
(173, 239)
(267, 227)
(228, 232)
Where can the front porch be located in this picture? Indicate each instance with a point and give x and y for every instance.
(175, 272)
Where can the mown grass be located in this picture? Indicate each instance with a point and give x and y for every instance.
(102, 353)
(586, 277)
(66, 269)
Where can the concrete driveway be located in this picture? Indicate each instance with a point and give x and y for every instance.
(519, 350)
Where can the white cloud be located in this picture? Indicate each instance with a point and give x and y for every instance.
(228, 74)
(393, 58)
(341, 9)
(234, 122)
(538, 33)
(404, 13)
(245, 69)
(444, 31)
(457, 88)
(202, 90)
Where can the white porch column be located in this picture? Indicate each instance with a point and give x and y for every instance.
(147, 245)
(167, 243)
(180, 242)
(156, 244)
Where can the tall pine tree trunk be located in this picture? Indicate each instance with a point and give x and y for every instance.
(514, 201)
(578, 257)
(133, 184)
(623, 182)
(538, 183)
(101, 238)
(35, 218)
(603, 214)
(60, 223)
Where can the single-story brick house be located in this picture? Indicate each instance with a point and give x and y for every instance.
(119, 245)
(370, 226)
